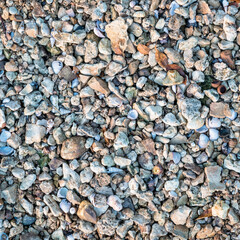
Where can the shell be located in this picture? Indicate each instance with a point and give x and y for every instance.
(57, 66)
(214, 122)
(213, 134)
(132, 114)
(221, 89)
(86, 212)
(72, 210)
(4, 151)
(157, 170)
(203, 141)
(98, 33)
(233, 115)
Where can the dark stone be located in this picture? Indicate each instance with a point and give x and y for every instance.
(67, 74)
(28, 220)
(224, 132)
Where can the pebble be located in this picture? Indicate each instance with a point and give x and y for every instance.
(65, 205)
(203, 140)
(220, 209)
(27, 182)
(180, 215)
(115, 202)
(57, 66)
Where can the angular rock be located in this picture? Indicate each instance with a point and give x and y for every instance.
(99, 85)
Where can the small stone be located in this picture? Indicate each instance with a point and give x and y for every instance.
(104, 46)
(117, 32)
(2, 118)
(18, 173)
(115, 202)
(188, 44)
(11, 67)
(220, 209)
(173, 78)
(31, 29)
(203, 141)
(220, 110)
(213, 134)
(73, 148)
(34, 133)
(86, 212)
(213, 174)
(214, 122)
(121, 141)
(47, 187)
(171, 120)
(10, 194)
(153, 112)
(171, 185)
(28, 182)
(229, 28)
(180, 215)
(52, 204)
(121, 161)
(65, 205)
(28, 220)
(99, 85)
(70, 60)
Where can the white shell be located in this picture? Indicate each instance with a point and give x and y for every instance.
(214, 122)
(233, 115)
(132, 114)
(57, 66)
(5, 135)
(203, 141)
(65, 205)
(62, 192)
(213, 134)
(98, 33)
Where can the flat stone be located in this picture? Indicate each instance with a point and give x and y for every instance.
(189, 43)
(121, 161)
(28, 181)
(213, 174)
(99, 85)
(220, 110)
(181, 232)
(10, 194)
(220, 209)
(52, 204)
(73, 148)
(180, 215)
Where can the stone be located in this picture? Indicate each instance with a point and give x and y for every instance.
(27, 206)
(180, 215)
(11, 67)
(181, 231)
(92, 69)
(115, 202)
(47, 187)
(121, 161)
(171, 185)
(188, 44)
(213, 175)
(113, 68)
(65, 205)
(117, 32)
(73, 148)
(28, 181)
(2, 118)
(99, 85)
(86, 212)
(229, 27)
(31, 29)
(220, 110)
(121, 141)
(220, 209)
(34, 133)
(232, 165)
(157, 231)
(18, 173)
(104, 46)
(173, 78)
(74, 37)
(153, 112)
(171, 120)
(53, 206)
(10, 194)
(30, 236)
(67, 73)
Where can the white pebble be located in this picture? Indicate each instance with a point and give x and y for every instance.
(132, 114)
(72, 210)
(233, 115)
(62, 192)
(57, 66)
(213, 134)
(203, 141)
(202, 129)
(115, 202)
(65, 205)
(214, 122)
(5, 135)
